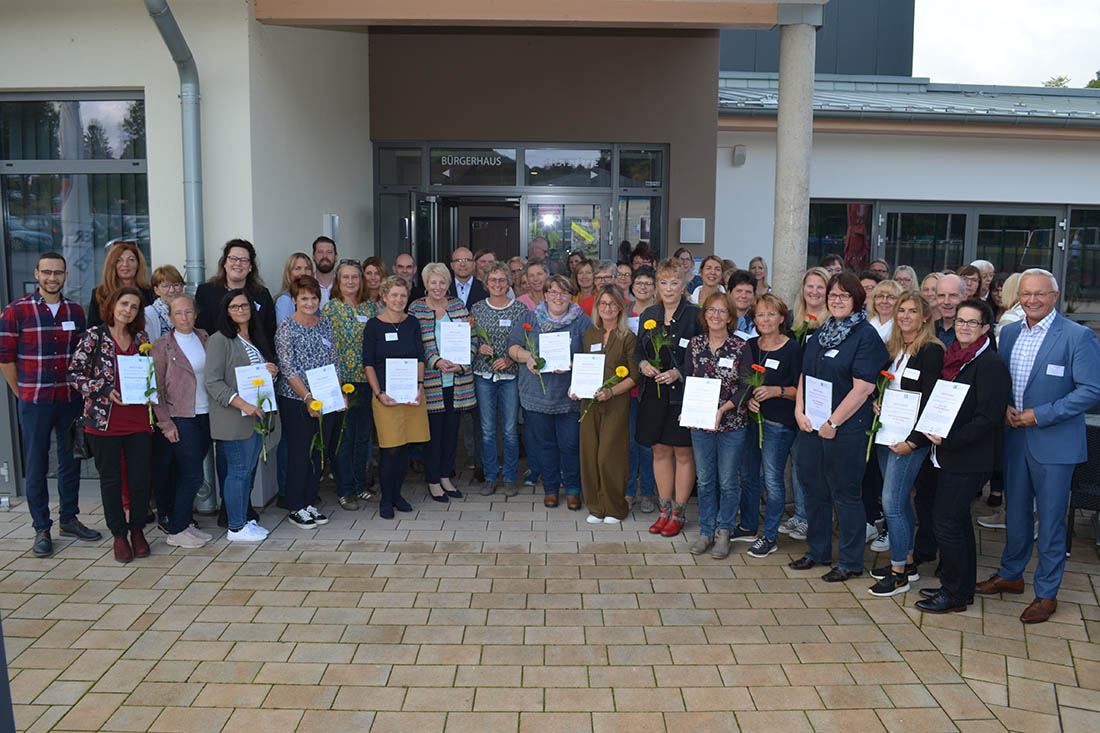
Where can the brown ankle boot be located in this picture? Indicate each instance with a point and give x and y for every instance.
(123, 553)
(137, 540)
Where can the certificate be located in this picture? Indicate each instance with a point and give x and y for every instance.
(324, 385)
(818, 398)
(942, 407)
(898, 416)
(401, 380)
(252, 393)
(700, 410)
(454, 342)
(555, 348)
(632, 324)
(134, 379)
(587, 375)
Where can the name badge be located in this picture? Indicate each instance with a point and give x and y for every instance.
(683, 343)
(361, 318)
(391, 336)
(256, 304)
(725, 363)
(911, 373)
(771, 363)
(505, 322)
(1056, 370)
(68, 326)
(831, 353)
(742, 335)
(595, 347)
(326, 342)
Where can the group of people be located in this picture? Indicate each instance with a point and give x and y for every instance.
(656, 324)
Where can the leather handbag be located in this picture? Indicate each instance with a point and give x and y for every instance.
(78, 439)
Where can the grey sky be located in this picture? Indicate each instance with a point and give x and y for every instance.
(1011, 42)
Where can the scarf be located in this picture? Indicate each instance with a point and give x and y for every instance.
(957, 357)
(833, 333)
(549, 323)
(161, 309)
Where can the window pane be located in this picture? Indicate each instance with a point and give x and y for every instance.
(100, 130)
(835, 228)
(567, 227)
(580, 168)
(641, 168)
(473, 167)
(925, 242)
(399, 166)
(1015, 243)
(640, 221)
(1082, 286)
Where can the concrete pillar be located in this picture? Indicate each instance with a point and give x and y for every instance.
(794, 132)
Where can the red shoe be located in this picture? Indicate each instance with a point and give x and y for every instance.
(659, 525)
(123, 553)
(137, 539)
(673, 526)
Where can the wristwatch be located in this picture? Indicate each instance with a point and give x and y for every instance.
(832, 425)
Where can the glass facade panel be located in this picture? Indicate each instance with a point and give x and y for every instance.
(1014, 243)
(473, 167)
(87, 130)
(572, 168)
(640, 221)
(641, 168)
(925, 242)
(567, 227)
(833, 226)
(399, 166)
(1081, 289)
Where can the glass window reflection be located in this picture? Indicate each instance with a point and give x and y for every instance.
(72, 130)
(574, 168)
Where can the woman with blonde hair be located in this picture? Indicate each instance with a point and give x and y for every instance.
(711, 272)
(297, 264)
(584, 277)
(1010, 301)
(810, 310)
(928, 290)
(880, 314)
(906, 277)
(759, 269)
(124, 267)
(604, 428)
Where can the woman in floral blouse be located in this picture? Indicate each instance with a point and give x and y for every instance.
(348, 312)
(717, 354)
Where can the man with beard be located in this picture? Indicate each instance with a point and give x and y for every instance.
(324, 261)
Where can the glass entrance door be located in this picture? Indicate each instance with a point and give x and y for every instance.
(1014, 242)
(569, 224)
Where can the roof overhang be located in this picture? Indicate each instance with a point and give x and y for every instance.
(865, 126)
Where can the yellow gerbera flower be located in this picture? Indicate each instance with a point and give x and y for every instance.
(145, 349)
(316, 405)
(621, 372)
(650, 324)
(257, 382)
(348, 388)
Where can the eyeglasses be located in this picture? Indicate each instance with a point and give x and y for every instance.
(623, 274)
(643, 283)
(461, 259)
(968, 324)
(972, 279)
(341, 263)
(51, 273)
(498, 280)
(235, 260)
(238, 307)
(885, 296)
(839, 297)
(558, 294)
(1031, 296)
(605, 278)
(718, 311)
(171, 286)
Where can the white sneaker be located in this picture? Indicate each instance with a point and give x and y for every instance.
(196, 532)
(996, 520)
(612, 520)
(593, 519)
(799, 531)
(786, 527)
(881, 543)
(256, 526)
(247, 533)
(314, 512)
(872, 533)
(185, 539)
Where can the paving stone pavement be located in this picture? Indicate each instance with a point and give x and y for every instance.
(490, 614)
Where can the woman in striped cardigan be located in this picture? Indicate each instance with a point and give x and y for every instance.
(448, 387)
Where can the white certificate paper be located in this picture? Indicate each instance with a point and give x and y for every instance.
(555, 348)
(587, 375)
(134, 379)
(454, 342)
(251, 393)
(701, 395)
(943, 405)
(401, 380)
(818, 397)
(632, 324)
(898, 416)
(324, 385)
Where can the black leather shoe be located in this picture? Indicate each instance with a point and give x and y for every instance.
(43, 545)
(839, 575)
(941, 603)
(162, 523)
(78, 530)
(802, 563)
(933, 592)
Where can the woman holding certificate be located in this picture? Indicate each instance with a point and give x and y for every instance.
(666, 329)
(916, 358)
(112, 425)
(347, 313)
(972, 447)
(304, 342)
(552, 333)
(604, 428)
(393, 357)
(840, 368)
(448, 382)
(643, 287)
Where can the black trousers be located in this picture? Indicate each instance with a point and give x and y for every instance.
(872, 489)
(439, 452)
(167, 473)
(303, 469)
(924, 497)
(107, 452)
(392, 464)
(955, 531)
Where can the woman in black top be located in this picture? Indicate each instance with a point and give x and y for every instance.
(661, 393)
(124, 267)
(237, 268)
(845, 357)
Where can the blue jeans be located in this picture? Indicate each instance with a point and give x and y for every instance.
(716, 459)
(641, 461)
(240, 460)
(898, 475)
(833, 475)
(505, 395)
(530, 448)
(557, 443)
(752, 486)
(797, 488)
(349, 468)
(777, 446)
(190, 453)
(37, 422)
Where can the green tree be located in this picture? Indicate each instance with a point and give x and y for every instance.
(133, 131)
(1095, 83)
(1057, 81)
(97, 146)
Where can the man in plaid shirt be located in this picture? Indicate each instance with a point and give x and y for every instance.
(38, 334)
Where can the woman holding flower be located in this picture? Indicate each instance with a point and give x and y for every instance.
(112, 427)
(667, 327)
(604, 427)
(845, 356)
(304, 341)
(347, 312)
(643, 287)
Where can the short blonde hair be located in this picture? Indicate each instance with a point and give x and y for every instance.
(670, 266)
(391, 282)
(166, 274)
(563, 282)
(435, 269)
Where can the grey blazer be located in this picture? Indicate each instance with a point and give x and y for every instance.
(223, 356)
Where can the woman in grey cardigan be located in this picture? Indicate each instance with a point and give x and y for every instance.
(233, 421)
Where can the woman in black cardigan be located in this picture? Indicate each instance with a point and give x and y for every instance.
(965, 456)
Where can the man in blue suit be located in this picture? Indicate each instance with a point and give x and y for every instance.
(1055, 368)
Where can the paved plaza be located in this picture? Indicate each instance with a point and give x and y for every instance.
(493, 614)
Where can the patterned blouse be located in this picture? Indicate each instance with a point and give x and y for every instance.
(497, 323)
(700, 361)
(300, 348)
(347, 333)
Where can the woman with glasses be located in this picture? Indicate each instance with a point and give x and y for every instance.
(605, 275)
(711, 273)
(880, 310)
(167, 284)
(551, 426)
(676, 321)
(297, 265)
(624, 273)
(972, 276)
(687, 262)
(883, 297)
(238, 269)
(374, 272)
(906, 277)
(640, 482)
(124, 267)
(843, 359)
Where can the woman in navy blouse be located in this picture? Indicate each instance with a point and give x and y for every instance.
(845, 356)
